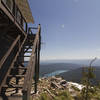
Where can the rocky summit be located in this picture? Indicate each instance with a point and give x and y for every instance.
(56, 88)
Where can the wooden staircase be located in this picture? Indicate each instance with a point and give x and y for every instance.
(18, 43)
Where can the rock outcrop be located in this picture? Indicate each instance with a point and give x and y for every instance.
(52, 86)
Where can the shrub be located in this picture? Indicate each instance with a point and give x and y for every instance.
(44, 96)
(65, 95)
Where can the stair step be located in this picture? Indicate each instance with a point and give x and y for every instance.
(24, 56)
(27, 56)
(13, 86)
(28, 48)
(29, 51)
(13, 98)
(19, 68)
(16, 75)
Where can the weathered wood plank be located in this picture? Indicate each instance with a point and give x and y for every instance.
(9, 51)
(13, 86)
(16, 75)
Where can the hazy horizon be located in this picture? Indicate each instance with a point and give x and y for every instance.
(73, 61)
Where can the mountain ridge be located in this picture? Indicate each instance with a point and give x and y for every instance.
(75, 75)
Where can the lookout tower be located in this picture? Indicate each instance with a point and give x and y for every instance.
(18, 42)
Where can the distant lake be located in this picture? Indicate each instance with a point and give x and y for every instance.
(55, 73)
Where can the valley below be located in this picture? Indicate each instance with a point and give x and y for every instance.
(68, 71)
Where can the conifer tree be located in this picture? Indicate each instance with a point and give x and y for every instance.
(88, 75)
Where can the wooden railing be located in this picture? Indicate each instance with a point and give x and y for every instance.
(13, 9)
(9, 51)
(32, 67)
(8, 59)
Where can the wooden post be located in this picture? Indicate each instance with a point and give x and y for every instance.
(26, 27)
(39, 48)
(25, 95)
(36, 71)
(37, 59)
(38, 63)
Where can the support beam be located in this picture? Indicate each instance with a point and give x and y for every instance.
(36, 66)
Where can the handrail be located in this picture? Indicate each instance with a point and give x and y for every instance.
(31, 68)
(9, 51)
(21, 45)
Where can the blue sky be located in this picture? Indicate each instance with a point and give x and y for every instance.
(70, 28)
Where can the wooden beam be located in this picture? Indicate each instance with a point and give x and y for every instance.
(13, 86)
(20, 68)
(16, 76)
(9, 51)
